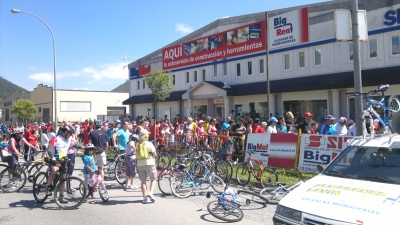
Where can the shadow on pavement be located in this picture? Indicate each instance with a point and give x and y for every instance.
(113, 202)
(29, 204)
(203, 217)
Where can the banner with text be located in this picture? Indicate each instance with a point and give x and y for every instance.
(289, 28)
(319, 149)
(242, 40)
(280, 147)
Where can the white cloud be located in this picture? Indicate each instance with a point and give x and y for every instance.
(87, 75)
(183, 28)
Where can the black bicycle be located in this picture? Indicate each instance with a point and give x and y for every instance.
(75, 190)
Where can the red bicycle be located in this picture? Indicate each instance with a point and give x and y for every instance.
(265, 175)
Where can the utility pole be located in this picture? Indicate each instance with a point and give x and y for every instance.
(360, 126)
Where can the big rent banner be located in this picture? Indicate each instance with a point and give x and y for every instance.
(314, 149)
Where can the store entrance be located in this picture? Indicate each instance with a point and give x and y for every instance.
(219, 113)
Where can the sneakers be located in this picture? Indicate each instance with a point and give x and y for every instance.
(128, 186)
(151, 197)
(11, 185)
(48, 190)
(124, 187)
(62, 200)
(134, 187)
(145, 201)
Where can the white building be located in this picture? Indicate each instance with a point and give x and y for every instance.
(308, 69)
(72, 105)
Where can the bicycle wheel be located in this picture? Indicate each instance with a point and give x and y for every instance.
(103, 192)
(39, 187)
(12, 184)
(394, 103)
(252, 196)
(217, 184)
(164, 183)
(226, 211)
(108, 169)
(268, 177)
(73, 196)
(181, 187)
(163, 161)
(242, 174)
(221, 169)
(120, 172)
(273, 194)
(36, 169)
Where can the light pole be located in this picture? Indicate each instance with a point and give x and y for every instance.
(54, 57)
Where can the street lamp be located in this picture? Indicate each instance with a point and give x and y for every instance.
(54, 57)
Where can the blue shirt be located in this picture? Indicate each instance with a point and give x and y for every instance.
(88, 160)
(279, 127)
(110, 132)
(225, 126)
(123, 138)
(325, 129)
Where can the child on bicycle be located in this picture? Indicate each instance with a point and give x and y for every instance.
(89, 166)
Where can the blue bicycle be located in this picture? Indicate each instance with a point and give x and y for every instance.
(388, 110)
(183, 185)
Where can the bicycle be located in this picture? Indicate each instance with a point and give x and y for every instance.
(75, 188)
(113, 165)
(275, 194)
(96, 183)
(164, 175)
(265, 175)
(183, 186)
(225, 208)
(388, 110)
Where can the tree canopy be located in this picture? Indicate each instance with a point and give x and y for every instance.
(24, 109)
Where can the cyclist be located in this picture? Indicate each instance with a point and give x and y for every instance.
(15, 142)
(58, 148)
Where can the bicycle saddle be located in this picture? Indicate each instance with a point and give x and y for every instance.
(383, 87)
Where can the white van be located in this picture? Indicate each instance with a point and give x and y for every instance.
(360, 186)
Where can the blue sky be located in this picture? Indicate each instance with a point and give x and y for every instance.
(92, 37)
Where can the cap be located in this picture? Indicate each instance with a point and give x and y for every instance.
(343, 120)
(264, 124)
(144, 132)
(273, 120)
(257, 120)
(201, 121)
(330, 117)
(307, 114)
(189, 119)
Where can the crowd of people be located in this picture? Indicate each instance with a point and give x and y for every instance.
(139, 138)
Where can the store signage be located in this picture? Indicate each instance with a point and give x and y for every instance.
(218, 101)
(288, 29)
(392, 17)
(239, 41)
(139, 72)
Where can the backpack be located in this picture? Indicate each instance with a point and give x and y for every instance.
(141, 151)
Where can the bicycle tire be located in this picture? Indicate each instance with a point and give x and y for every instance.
(120, 172)
(242, 174)
(73, 193)
(103, 192)
(252, 196)
(221, 169)
(219, 211)
(218, 184)
(9, 185)
(164, 183)
(394, 103)
(36, 169)
(181, 187)
(109, 173)
(272, 194)
(3, 167)
(268, 177)
(39, 187)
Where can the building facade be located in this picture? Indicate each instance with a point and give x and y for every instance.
(225, 67)
(73, 105)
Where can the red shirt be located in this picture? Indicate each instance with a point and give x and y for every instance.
(152, 131)
(30, 138)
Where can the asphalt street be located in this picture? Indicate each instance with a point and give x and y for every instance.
(123, 207)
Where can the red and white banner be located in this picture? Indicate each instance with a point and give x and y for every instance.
(239, 41)
(289, 28)
(319, 149)
(280, 147)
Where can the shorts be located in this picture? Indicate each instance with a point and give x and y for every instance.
(100, 159)
(147, 170)
(130, 166)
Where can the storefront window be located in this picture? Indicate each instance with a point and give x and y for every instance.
(316, 107)
(168, 111)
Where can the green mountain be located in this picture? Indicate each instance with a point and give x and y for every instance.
(122, 88)
(6, 87)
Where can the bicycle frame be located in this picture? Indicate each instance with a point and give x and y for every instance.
(369, 103)
(255, 171)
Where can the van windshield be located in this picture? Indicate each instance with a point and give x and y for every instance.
(367, 163)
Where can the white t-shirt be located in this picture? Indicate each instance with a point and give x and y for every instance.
(341, 130)
(271, 130)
